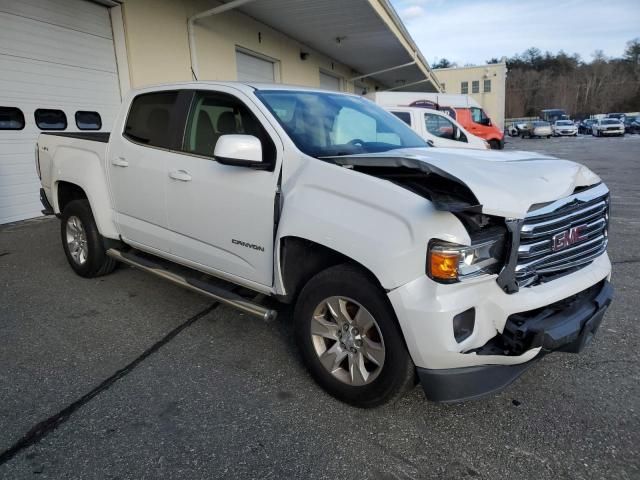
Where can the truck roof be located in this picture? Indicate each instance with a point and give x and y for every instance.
(247, 87)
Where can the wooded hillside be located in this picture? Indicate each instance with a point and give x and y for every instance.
(536, 81)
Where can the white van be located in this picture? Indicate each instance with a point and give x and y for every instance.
(438, 128)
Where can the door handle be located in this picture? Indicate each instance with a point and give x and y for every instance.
(120, 162)
(180, 175)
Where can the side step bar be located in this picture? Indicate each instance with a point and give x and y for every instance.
(219, 294)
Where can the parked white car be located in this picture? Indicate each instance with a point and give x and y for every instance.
(537, 129)
(607, 127)
(564, 128)
(460, 267)
(438, 128)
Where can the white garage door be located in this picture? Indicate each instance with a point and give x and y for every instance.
(54, 54)
(254, 69)
(329, 82)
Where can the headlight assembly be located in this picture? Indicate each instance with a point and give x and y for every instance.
(450, 262)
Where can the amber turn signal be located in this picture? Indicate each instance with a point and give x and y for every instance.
(443, 265)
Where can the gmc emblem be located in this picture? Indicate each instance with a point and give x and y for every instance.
(568, 237)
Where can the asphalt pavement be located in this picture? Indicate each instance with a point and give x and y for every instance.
(128, 376)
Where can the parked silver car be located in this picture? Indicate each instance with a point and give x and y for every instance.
(537, 129)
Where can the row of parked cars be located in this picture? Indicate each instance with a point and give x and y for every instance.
(609, 126)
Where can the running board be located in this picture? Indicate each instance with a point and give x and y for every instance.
(161, 269)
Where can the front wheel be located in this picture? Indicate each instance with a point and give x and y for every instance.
(82, 242)
(350, 340)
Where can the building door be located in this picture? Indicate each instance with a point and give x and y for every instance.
(52, 58)
(329, 82)
(252, 68)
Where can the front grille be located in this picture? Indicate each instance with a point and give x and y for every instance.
(547, 248)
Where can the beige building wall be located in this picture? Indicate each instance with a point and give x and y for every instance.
(492, 102)
(158, 48)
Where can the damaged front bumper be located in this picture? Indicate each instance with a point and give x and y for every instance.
(565, 326)
(507, 333)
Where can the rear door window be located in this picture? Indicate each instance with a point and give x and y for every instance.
(49, 119)
(151, 120)
(11, 118)
(88, 120)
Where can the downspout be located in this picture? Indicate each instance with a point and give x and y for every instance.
(191, 21)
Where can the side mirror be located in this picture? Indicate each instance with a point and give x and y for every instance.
(239, 151)
(486, 121)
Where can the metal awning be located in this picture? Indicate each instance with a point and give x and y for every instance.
(351, 32)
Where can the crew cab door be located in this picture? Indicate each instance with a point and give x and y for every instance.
(137, 168)
(222, 216)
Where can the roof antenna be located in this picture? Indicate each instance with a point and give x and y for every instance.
(194, 74)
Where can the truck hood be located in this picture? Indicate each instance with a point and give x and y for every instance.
(505, 184)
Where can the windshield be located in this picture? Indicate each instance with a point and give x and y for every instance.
(610, 121)
(328, 124)
(564, 123)
(541, 124)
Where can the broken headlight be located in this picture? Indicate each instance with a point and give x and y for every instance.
(449, 262)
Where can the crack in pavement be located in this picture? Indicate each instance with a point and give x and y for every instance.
(44, 428)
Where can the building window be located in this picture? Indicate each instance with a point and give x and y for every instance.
(330, 82)
(464, 87)
(47, 119)
(443, 87)
(255, 68)
(11, 118)
(150, 118)
(475, 86)
(487, 85)
(88, 120)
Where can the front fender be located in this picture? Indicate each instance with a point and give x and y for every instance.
(378, 224)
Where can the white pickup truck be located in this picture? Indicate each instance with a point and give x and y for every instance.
(459, 268)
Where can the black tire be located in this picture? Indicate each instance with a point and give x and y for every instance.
(494, 144)
(397, 373)
(97, 262)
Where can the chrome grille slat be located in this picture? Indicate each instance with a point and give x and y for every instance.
(529, 230)
(536, 256)
(541, 247)
(562, 255)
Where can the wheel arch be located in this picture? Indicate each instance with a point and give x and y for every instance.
(66, 192)
(79, 174)
(295, 274)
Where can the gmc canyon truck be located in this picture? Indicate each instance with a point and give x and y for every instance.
(456, 268)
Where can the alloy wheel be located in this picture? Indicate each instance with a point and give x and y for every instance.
(347, 341)
(77, 240)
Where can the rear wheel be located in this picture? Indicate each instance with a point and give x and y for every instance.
(82, 243)
(349, 338)
(494, 144)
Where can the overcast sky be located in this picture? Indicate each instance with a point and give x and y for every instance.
(473, 31)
